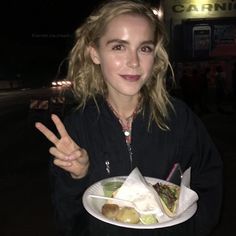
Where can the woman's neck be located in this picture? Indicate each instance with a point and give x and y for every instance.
(125, 107)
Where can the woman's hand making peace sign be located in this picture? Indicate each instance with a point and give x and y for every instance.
(67, 154)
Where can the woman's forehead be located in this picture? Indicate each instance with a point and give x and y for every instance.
(127, 24)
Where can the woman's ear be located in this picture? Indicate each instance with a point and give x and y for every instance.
(94, 55)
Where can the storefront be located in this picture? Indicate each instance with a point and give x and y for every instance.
(202, 32)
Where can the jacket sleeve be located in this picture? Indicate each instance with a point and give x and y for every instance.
(201, 154)
(66, 191)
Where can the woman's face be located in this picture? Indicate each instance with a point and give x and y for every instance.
(126, 54)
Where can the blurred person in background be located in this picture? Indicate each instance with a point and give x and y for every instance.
(220, 87)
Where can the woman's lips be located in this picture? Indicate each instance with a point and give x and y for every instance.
(131, 77)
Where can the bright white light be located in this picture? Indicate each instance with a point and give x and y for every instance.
(61, 83)
(68, 82)
(157, 12)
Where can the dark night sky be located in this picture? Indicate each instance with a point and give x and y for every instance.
(45, 16)
(36, 36)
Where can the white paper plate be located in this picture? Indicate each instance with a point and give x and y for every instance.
(93, 207)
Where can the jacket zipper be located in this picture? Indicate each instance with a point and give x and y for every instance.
(130, 156)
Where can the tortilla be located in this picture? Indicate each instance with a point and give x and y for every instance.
(169, 196)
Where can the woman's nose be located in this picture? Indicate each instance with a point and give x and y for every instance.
(133, 60)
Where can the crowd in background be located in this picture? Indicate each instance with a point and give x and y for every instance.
(207, 86)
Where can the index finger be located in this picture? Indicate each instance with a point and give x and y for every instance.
(47, 132)
(59, 125)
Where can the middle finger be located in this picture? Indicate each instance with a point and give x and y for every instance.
(58, 154)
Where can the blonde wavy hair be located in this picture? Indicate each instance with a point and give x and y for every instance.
(87, 78)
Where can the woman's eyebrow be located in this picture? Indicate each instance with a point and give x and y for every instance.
(117, 41)
(127, 42)
(148, 42)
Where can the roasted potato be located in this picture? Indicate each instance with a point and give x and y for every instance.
(127, 215)
(110, 210)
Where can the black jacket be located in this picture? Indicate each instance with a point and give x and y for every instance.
(154, 152)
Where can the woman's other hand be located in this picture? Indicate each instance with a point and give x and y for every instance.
(67, 154)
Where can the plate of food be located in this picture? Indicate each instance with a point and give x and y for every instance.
(111, 210)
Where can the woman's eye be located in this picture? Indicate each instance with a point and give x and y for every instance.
(147, 49)
(117, 47)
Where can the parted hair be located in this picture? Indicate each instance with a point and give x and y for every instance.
(86, 76)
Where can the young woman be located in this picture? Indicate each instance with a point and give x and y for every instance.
(126, 119)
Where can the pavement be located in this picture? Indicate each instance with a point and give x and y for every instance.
(25, 204)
